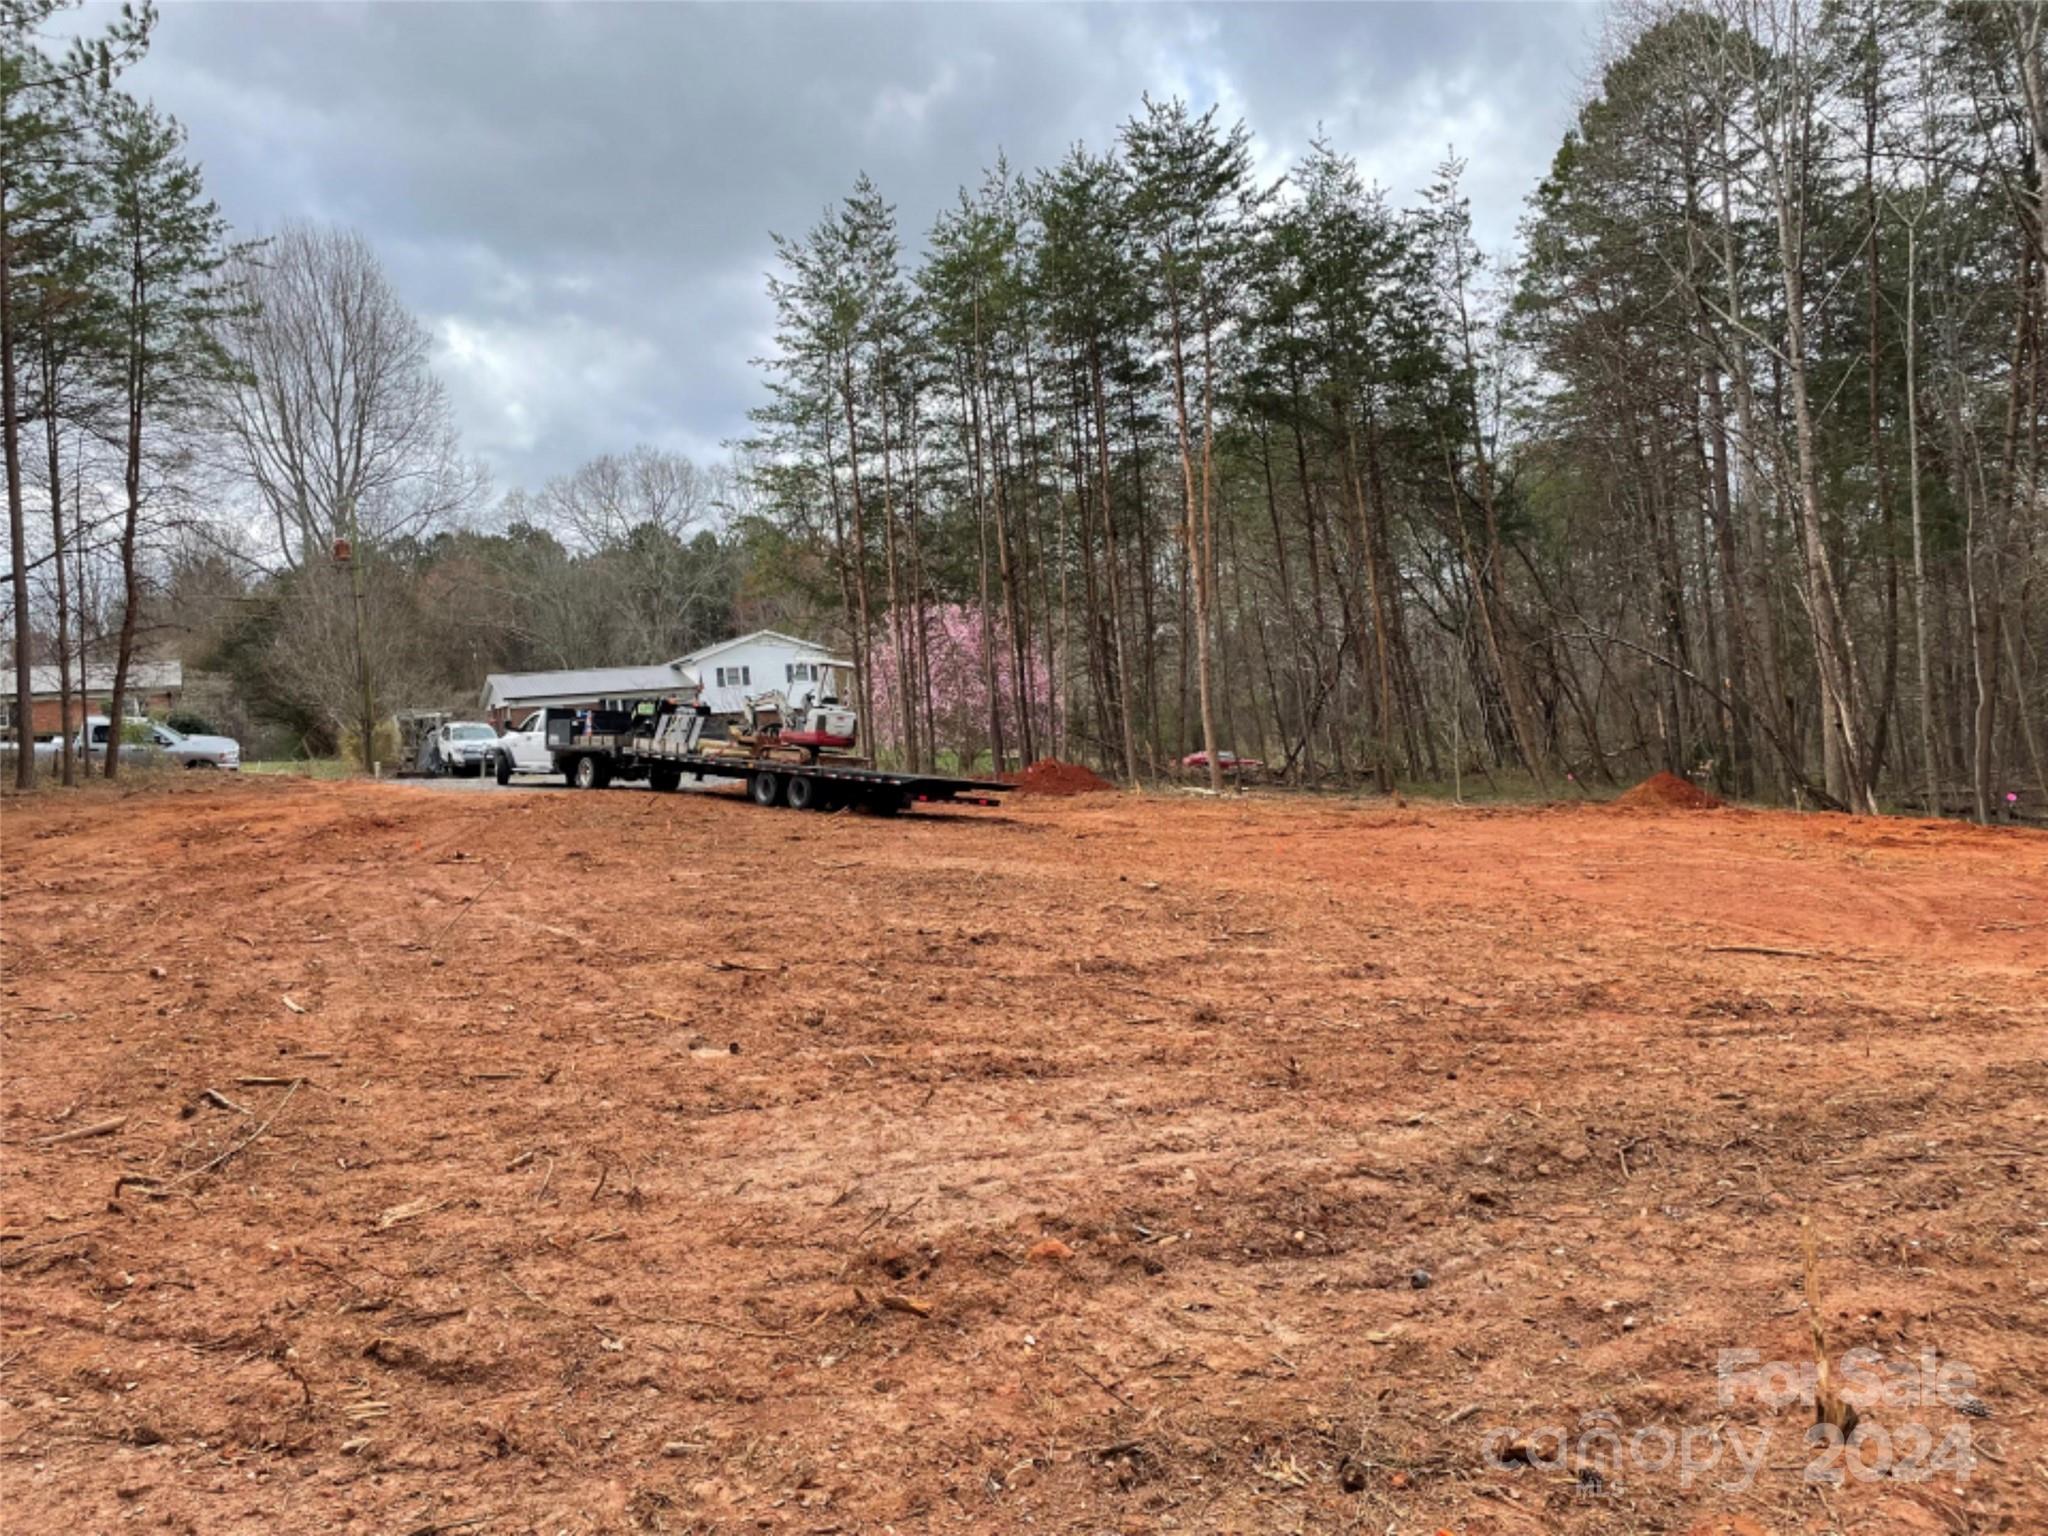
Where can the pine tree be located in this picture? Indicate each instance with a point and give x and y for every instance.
(166, 251)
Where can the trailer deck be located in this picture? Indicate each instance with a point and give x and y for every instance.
(591, 759)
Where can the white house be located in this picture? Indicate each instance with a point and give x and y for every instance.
(767, 659)
(727, 673)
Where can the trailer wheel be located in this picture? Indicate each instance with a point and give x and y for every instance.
(804, 793)
(766, 787)
(504, 768)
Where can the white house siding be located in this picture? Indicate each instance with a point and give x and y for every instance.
(750, 665)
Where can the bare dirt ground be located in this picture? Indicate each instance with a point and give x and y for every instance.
(663, 1163)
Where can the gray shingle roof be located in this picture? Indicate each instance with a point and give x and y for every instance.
(582, 685)
(143, 677)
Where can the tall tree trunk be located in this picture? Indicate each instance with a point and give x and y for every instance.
(1116, 605)
(1834, 650)
(840, 554)
(1748, 504)
(52, 440)
(998, 753)
(1193, 521)
(131, 512)
(1887, 691)
(863, 646)
(1929, 763)
(17, 532)
(1376, 601)
(1490, 590)
(1407, 690)
(921, 639)
(1734, 616)
(1147, 609)
(901, 705)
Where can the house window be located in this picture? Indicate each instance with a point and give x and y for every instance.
(735, 677)
(800, 672)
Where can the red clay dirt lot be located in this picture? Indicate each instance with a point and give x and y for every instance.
(663, 1163)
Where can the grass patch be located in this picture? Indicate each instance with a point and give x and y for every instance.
(302, 768)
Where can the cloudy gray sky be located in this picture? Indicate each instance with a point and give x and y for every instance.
(577, 198)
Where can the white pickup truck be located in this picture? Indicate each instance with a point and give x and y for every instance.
(160, 741)
(524, 749)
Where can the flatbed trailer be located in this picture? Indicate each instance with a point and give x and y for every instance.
(590, 756)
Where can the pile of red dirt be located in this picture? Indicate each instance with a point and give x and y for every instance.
(1050, 776)
(1668, 792)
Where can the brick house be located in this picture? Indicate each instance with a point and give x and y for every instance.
(154, 688)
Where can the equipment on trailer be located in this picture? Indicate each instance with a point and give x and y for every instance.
(802, 756)
(768, 721)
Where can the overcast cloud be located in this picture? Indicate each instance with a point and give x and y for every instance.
(577, 199)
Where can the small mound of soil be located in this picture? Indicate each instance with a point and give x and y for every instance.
(1668, 792)
(1050, 776)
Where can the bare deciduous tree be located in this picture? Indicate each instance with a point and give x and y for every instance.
(335, 418)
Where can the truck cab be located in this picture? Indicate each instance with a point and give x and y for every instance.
(524, 748)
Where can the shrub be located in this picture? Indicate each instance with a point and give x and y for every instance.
(186, 723)
(384, 741)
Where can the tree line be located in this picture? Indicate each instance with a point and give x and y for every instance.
(1736, 471)
(237, 451)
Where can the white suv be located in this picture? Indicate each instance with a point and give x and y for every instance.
(462, 746)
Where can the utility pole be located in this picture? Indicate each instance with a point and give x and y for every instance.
(344, 555)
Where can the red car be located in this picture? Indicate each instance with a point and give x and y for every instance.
(1229, 762)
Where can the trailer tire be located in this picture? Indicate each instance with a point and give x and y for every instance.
(766, 787)
(504, 774)
(804, 793)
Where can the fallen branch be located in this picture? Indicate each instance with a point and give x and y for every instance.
(458, 917)
(97, 1128)
(239, 1147)
(437, 1527)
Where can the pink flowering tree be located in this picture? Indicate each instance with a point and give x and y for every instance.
(959, 702)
